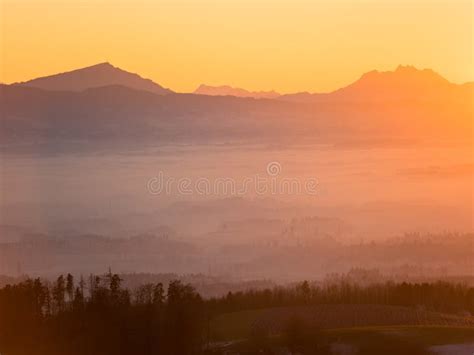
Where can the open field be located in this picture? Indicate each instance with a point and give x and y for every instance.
(407, 340)
(240, 325)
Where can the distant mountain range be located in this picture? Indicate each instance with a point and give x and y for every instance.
(404, 83)
(226, 90)
(106, 107)
(103, 74)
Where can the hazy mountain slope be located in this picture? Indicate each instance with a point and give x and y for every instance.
(406, 83)
(122, 118)
(103, 74)
(226, 90)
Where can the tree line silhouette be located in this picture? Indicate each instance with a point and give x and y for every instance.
(437, 296)
(99, 316)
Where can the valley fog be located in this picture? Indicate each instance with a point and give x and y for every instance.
(88, 212)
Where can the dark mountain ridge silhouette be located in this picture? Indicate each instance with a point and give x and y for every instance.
(120, 119)
(404, 83)
(406, 105)
(103, 74)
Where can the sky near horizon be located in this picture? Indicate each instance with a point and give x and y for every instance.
(288, 46)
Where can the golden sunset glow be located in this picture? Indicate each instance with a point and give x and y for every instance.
(189, 177)
(287, 46)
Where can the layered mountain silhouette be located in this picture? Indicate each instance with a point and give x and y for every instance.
(226, 90)
(103, 74)
(103, 107)
(404, 83)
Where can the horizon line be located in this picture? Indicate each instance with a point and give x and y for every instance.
(238, 87)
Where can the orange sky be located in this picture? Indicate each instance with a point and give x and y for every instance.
(259, 45)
